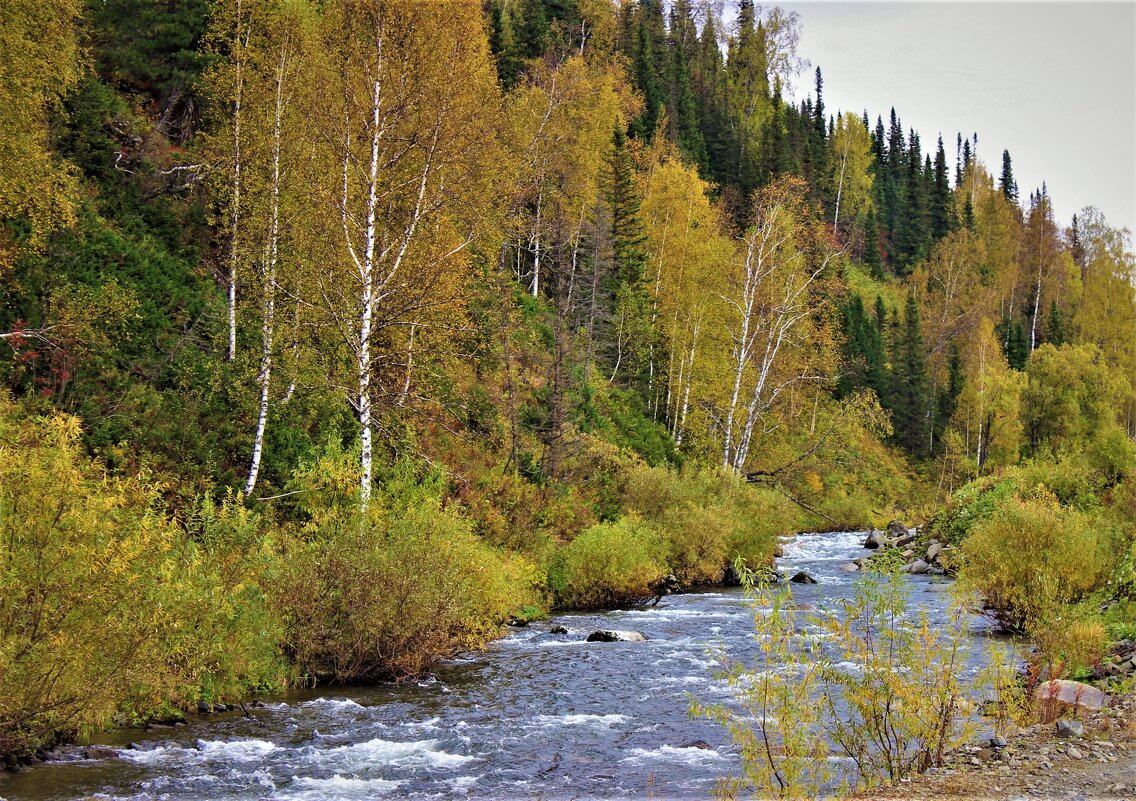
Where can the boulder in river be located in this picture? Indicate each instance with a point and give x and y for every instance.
(918, 566)
(933, 551)
(558, 630)
(897, 529)
(1060, 694)
(875, 539)
(851, 567)
(803, 578)
(615, 635)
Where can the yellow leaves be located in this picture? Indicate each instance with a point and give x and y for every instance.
(42, 62)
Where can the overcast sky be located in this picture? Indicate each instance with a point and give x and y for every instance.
(1054, 83)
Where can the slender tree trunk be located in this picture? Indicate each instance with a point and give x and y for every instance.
(234, 252)
(840, 185)
(409, 368)
(267, 329)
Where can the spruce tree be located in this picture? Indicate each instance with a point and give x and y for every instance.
(683, 108)
(871, 257)
(1007, 183)
(1055, 325)
(628, 332)
(910, 403)
(941, 196)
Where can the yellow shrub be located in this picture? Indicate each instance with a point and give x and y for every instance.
(1032, 555)
(608, 564)
(391, 596)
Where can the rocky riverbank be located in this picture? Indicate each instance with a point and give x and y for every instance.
(1096, 760)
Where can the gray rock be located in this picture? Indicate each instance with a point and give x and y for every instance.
(803, 578)
(875, 539)
(99, 752)
(1070, 728)
(933, 551)
(615, 635)
(851, 567)
(1074, 753)
(1066, 694)
(558, 630)
(998, 741)
(906, 539)
(919, 566)
(896, 528)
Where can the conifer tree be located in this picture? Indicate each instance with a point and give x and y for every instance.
(1007, 183)
(941, 196)
(910, 401)
(684, 118)
(629, 314)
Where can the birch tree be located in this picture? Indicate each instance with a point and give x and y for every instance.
(412, 144)
(780, 258)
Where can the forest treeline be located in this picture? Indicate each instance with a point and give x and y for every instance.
(335, 334)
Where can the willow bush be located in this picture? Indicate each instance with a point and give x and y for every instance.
(882, 687)
(109, 610)
(389, 595)
(609, 564)
(708, 518)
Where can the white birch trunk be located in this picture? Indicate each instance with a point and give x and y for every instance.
(234, 257)
(267, 328)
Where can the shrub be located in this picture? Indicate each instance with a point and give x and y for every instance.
(1031, 555)
(389, 596)
(707, 518)
(107, 609)
(608, 564)
(889, 695)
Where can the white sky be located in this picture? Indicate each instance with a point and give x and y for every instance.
(1053, 82)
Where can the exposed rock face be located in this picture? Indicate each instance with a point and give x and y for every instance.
(614, 635)
(1061, 694)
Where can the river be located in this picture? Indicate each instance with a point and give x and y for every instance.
(535, 715)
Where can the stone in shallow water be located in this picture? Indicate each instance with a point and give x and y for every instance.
(803, 578)
(614, 635)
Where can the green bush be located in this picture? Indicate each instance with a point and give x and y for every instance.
(389, 596)
(608, 564)
(707, 518)
(108, 610)
(1032, 555)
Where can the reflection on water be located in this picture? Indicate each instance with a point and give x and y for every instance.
(537, 715)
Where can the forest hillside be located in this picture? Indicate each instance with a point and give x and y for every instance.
(336, 334)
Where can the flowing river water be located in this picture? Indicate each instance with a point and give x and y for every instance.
(536, 715)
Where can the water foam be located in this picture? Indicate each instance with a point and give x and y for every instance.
(388, 753)
(603, 721)
(691, 755)
(338, 787)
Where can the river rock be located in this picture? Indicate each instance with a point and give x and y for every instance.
(906, 539)
(918, 566)
(896, 529)
(933, 551)
(875, 539)
(99, 752)
(851, 567)
(614, 635)
(558, 630)
(803, 578)
(1066, 694)
(705, 746)
(1070, 728)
